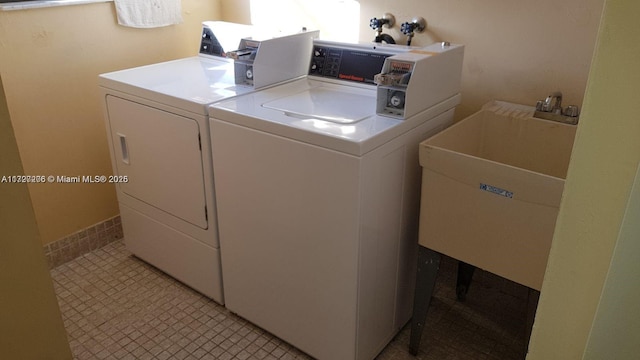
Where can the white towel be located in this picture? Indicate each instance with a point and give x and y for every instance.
(148, 13)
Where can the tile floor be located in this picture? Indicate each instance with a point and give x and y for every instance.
(115, 306)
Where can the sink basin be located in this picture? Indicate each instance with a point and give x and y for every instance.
(491, 190)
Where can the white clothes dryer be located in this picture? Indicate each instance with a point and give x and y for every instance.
(156, 118)
(318, 199)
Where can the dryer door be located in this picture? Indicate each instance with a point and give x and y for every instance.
(160, 154)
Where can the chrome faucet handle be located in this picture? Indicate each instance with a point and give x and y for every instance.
(572, 111)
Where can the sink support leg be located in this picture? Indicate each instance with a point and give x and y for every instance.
(428, 264)
(532, 306)
(465, 274)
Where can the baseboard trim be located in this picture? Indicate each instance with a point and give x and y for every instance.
(84, 241)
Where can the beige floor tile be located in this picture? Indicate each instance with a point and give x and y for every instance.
(115, 306)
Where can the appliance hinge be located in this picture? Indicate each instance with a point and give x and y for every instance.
(199, 142)
(206, 213)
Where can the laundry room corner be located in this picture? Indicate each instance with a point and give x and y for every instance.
(50, 59)
(515, 52)
(319, 179)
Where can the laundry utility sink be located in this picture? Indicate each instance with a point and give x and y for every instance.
(491, 189)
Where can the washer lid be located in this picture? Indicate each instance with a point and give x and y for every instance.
(272, 111)
(334, 105)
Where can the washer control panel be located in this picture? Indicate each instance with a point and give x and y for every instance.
(209, 44)
(346, 64)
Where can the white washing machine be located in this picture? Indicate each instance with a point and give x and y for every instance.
(318, 195)
(158, 129)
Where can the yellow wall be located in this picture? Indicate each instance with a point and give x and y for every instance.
(517, 51)
(30, 322)
(614, 334)
(235, 11)
(50, 57)
(49, 61)
(605, 157)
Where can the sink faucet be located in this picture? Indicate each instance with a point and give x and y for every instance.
(550, 110)
(557, 107)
